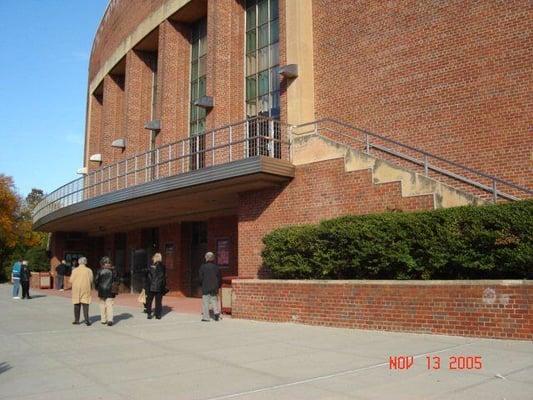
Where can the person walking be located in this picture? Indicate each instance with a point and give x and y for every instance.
(25, 277)
(156, 284)
(15, 278)
(82, 282)
(211, 281)
(106, 283)
(61, 271)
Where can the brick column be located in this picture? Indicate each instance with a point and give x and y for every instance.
(173, 81)
(225, 61)
(138, 98)
(112, 117)
(94, 130)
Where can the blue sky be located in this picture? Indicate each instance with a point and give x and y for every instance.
(44, 54)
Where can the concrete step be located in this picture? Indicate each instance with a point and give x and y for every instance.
(309, 148)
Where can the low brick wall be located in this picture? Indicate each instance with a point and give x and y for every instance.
(492, 309)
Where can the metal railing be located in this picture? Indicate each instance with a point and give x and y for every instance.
(476, 182)
(253, 137)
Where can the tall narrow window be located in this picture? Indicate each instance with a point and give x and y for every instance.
(198, 90)
(262, 79)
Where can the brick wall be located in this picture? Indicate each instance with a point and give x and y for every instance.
(318, 191)
(494, 309)
(450, 77)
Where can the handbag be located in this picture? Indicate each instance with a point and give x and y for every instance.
(142, 297)
(115, 286)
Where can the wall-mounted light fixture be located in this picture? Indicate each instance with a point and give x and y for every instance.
(154, 125)
(289, 71)
(204, 102)
(119, 143)
(96, 158)
(82, 171)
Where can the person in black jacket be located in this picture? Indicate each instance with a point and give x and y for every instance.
(211, 281)
(156, 283)
(25, 277)
(61, 270)
(106, 284)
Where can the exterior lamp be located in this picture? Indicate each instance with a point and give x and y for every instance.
(289, 71)
(96, 158)
(204, 102)
(119, 143)
(154, 125)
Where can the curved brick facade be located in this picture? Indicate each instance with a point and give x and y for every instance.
(452, 78)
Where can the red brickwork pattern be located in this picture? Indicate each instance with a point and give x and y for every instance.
(318, 191)
(450, 77)
(478, 309)
(120, 20)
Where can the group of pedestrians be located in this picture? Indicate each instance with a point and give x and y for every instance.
(107, 282)
(21, 277)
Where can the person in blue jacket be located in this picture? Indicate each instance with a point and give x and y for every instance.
(15, 278)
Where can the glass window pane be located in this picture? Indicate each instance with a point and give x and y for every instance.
(263, 36)
(251, 88)
(193, 128)
(194, 70)
(251, 66)
(262, 11)
(274, 31)
(250, 18)
(263, 58)
(274, 54)
(250, 41)
(194, 113)
(202, 46)
(263, 83)
(251, 109)
(273, 9)
(263, 104)
(201, 112)
(201, 86)
(274, 79)
(201, 66)
(194, 49)
(201, 126)
(274, 104)
(194, 90)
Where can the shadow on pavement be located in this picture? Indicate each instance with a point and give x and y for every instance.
(121, 317)
(4, 367)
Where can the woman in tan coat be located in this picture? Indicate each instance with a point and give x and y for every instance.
(82, 282)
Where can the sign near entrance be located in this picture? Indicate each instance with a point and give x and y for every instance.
(222, 253)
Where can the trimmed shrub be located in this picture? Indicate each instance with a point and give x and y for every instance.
(487, 242)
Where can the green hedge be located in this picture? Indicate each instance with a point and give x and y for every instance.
(487, 242)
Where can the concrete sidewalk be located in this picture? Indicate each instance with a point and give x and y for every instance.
(43, 356)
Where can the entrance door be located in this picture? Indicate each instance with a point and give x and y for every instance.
(138, 271)
(198, 250)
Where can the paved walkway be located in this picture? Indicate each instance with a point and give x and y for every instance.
(43, 356)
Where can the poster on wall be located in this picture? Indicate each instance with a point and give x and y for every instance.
(223, 252)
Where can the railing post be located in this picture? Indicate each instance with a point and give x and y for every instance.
(494, 191)
(246, 134)
(367, 144)
(157, 164)
(426, 166)
(118, 170)
(271, 138)
(212, 148)
(290, 143)
(169, 159)
(126, 174)
(109, 179)
(230, 141)
(146, 168)
(183, 156)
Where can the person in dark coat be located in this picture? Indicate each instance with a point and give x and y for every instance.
(61, 270)
(211, 281)
(156, 283)
(106, 282)
(25, 277)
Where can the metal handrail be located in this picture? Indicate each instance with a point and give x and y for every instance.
(425, 159)
(268, 135)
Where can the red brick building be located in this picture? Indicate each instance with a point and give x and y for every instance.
(210, 123)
